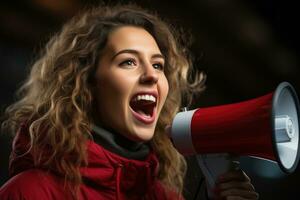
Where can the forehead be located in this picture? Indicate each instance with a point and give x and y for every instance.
(130, 37)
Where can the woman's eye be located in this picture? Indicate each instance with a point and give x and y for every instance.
(128, 63)
(158, 66)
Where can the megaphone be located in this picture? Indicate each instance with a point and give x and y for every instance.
(265, 127)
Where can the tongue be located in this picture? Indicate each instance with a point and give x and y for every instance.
(142, 107)
(141, 112)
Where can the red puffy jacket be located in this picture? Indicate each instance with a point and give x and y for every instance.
(107, 176)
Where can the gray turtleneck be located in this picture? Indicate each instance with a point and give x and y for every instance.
(119, 144)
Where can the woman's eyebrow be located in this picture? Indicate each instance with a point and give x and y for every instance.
(158, 55)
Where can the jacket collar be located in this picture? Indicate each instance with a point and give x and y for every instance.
(125, 176)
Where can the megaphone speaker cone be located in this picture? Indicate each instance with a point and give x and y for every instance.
(285, 123)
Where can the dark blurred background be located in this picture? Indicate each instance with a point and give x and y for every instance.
(246, 48)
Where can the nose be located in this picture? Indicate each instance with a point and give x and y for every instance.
(149, 75)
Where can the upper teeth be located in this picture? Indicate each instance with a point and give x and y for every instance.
(145, 97)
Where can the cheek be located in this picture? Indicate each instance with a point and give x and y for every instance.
(164, 88)
(109, 102)
(113, 91)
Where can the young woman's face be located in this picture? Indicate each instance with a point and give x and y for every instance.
(131, 86)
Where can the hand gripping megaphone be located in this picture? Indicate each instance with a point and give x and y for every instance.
(265, 127)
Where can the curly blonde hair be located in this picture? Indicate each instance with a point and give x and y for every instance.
(56, 99)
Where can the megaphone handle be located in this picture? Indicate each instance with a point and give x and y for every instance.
(214, 165)
(234, 163)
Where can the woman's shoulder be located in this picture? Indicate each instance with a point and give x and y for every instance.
(31, 184)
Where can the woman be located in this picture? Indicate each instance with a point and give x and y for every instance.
(90, 121)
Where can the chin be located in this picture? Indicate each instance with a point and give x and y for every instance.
(143, 135)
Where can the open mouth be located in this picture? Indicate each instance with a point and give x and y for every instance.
(143, 107)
